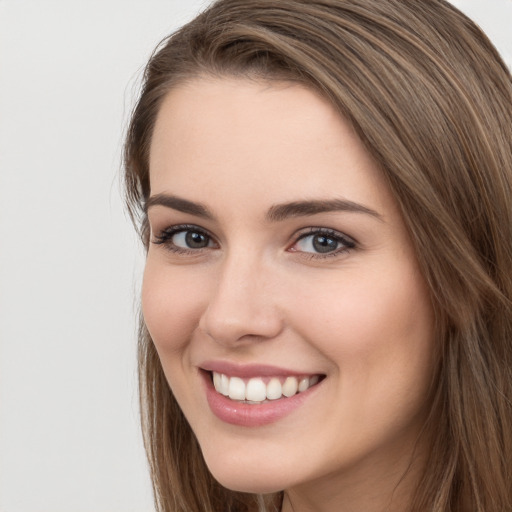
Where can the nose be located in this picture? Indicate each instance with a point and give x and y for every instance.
(242, 307)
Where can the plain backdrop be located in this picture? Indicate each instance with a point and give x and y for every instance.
(70, 265)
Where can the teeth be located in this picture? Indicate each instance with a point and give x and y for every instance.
(274, 389)
(224, 385)
(303, 384)
(216, 381)
(256, 391)
(236, 389)
(221, 383)
(290, 386)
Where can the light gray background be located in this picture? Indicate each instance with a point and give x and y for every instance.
(69, 262)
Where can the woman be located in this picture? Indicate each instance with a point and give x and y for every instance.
(324, 191)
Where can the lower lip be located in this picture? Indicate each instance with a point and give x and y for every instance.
(255, 415)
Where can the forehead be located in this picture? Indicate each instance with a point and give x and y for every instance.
(246, 110)
(278, 141)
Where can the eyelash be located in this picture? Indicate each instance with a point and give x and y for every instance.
(166, 235)
(347, 244)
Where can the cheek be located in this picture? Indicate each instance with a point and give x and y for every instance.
(376, 328)
(364, 310)
(172, 303)
(380, 339)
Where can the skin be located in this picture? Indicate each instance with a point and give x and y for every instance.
(258, 293)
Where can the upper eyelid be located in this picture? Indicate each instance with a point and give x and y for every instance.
(298, 235)
(326, 231)
(184, 227)
(163, 236)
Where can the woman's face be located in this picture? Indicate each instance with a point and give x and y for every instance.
(279, 266)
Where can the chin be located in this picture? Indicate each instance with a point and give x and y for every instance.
(244, 479)
(246, 484)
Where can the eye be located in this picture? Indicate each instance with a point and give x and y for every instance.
(323, 242)
(190, 240)
(184, 238)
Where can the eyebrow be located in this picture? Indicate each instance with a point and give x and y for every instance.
(281, 212)
(179, 204)
(276, 213)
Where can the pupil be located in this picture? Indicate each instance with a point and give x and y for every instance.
(324, 244)
(196, 240)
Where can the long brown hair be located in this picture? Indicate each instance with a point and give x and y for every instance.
(431, 99)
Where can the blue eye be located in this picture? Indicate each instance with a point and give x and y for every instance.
(323, 242)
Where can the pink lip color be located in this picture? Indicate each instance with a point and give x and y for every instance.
(248, 370)
(246, 415)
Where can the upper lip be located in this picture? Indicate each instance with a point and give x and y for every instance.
(250, 370)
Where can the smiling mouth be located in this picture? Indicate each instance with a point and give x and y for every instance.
(259, 390)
